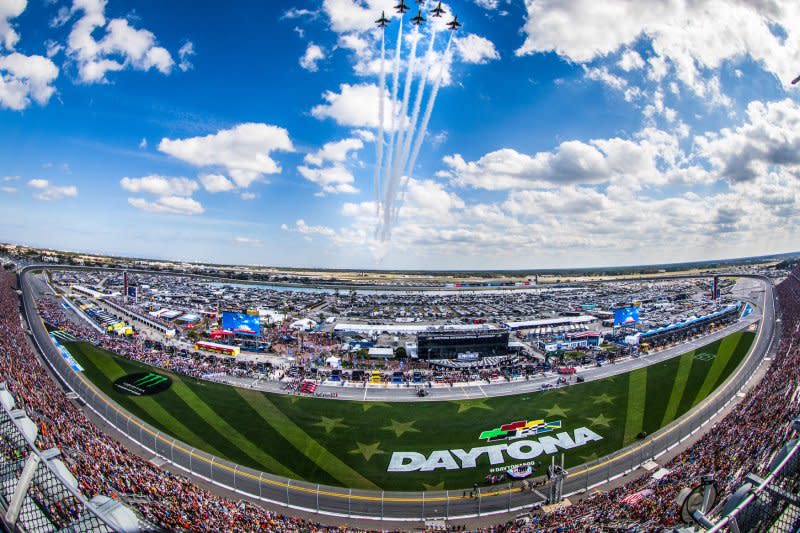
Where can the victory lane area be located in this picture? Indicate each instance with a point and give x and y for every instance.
(421, 445)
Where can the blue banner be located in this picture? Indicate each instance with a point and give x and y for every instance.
(626, 316)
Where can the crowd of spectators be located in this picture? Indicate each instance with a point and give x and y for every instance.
(742, 442)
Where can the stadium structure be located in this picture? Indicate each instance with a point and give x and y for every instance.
(65, 474)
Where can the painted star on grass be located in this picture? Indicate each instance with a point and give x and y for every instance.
(367, 450)
(466, 405)
(603, 398)
(401, 427)
(556, 410)
(600, 420)
(330, 423)
(369, 405)
(591, 457)
(434, 486)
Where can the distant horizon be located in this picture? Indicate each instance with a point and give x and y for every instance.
(532, 270)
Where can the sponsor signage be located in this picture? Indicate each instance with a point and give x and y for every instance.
(516, 447)
(142, 383)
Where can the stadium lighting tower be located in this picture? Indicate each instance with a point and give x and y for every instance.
(696, 501)
(556, 474)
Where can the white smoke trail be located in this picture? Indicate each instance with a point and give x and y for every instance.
(379, 140)
(425, 119)
(395, 80)
(397, 166)
(418, 101)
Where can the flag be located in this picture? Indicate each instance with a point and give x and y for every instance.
(636, 497)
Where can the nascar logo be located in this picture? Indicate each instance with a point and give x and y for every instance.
(519, 430)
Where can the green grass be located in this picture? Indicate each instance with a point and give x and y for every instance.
(350, 443)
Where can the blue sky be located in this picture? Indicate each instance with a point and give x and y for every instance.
(563, 134)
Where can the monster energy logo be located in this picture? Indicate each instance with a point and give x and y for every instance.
(142, 383)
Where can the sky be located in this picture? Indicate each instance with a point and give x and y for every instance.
(548, 133)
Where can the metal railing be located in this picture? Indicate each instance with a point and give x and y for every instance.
(343, 502)
(38, 492)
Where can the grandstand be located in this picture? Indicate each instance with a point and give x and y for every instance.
(748, 445)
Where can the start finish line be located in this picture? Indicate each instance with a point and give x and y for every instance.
(521, 450)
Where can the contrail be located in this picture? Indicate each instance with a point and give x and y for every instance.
(395, 80)
(397, 167)
(418, 101)
(379, 140)
(429, 107)
(428, 111)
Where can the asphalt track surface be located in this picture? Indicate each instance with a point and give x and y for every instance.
(336, 501)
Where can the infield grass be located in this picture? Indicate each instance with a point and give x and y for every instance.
(349, 443)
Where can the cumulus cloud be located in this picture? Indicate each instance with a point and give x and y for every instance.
(334, 152)
(175, 205)
(769, 137)
(159, 185)
(120, 47)
(334, 179)
(313, 55)
(693, 36)
(476, 49)
(48, 191)
(353, 106)
(10, 9)
(24, 79)
(244, 151)
(301, 227)
(214, 183)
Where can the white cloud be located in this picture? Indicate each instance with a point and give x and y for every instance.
(487, 4)
(143, 143)
(244, 151)
(355, 15)
(295, 13)
(630, 60)
(248, 241)
(334, 179)
(334, 152)
(476, 49)
(602, 75)
(120, 47)
(184, 53)
(770, 137)
(9, 190)
(247, 195)
(25, 78)
(653, 157)
(214, 183)
(10, 9)
(53, 48)
(47, 191)
(301, 227)
(354, 105)
(694, 36)
(159, 185)
(177, 205)
(313, 55)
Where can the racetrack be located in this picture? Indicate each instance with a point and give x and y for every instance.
(414, 505)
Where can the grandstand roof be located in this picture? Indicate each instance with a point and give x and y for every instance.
(558, 321)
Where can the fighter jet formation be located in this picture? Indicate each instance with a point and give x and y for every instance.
(796, 80)
(393, 170)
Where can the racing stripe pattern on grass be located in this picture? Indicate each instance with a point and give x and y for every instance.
(350, 443)
(637, 394)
